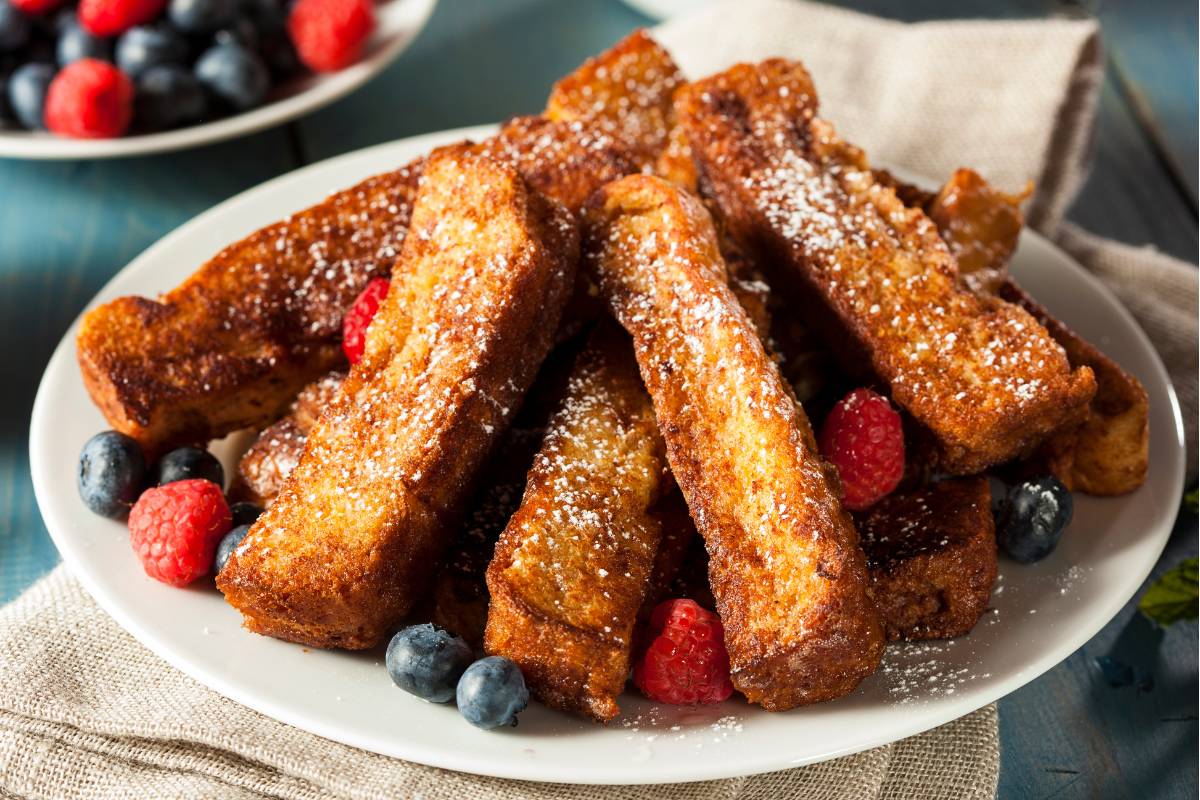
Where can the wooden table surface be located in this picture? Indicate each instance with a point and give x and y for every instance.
(65, 228)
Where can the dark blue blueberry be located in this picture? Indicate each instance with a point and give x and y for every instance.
(7, 118)
(201, 16)
(15, 27)
(245, 513)
(280, 56)
(1032, 518)
(492, 692)
(147, 46)
(427, 661)
(268, 16)
(168, 96)
(234, 74)
(188, 463)
(75, 43)
(112, 473)
(240, 31)
(27, 93)
(227, 545)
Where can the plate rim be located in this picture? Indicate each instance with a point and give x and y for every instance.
(441, 756)
(43, 146)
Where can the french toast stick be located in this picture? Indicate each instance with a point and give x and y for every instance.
(350, 543)
(572, 567)
(786, 570)
(931, 555)
(231, 346)
(980, 375)
(624, 92)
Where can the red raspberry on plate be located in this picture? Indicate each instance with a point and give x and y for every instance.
(110, 17)
(686, 661)
(35, 7)
(89, 99)
(864, 439)
(354, 324)
(175, 529)
(329, 34)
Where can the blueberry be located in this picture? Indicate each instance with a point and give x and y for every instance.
(201, 16)
(234, 74)
(245, 513)
(268, 16)
(492, 693)
(75, 43)
(168, 96)
(227, 545)
(240, 31)
(147, 46)
(112, 472)
(15, 27)
(7, 118)
(427, 661)
(1032, 518)
(188, 463)
(27, 93)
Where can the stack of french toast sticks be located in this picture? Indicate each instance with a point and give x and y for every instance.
(590, 387)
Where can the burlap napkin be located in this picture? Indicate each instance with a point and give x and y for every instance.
(86, 712)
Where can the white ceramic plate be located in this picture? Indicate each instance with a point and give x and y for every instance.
(1042, 612)
(398, 23)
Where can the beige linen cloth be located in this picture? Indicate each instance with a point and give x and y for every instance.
(87, 712)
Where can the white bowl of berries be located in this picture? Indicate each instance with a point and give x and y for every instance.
(83, 79)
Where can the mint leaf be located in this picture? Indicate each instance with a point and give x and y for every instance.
(1191, 501)
(1173, 596)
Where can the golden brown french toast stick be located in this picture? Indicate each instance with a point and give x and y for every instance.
(354, 537)
(931, 554)
(786, 570)
(572, 568)
(624, 92)
(979, 374)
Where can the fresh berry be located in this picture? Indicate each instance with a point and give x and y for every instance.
(175, 529)
(112, 472)
(189, 463)
(27, 89)
(279, 54)
(112, 17)
(1033, 516)
(147, 46)
(358, 318)
(267, 16)
(37, 7)
(245, 513)
(864, 439)
(492, 692)
(227, 545)
(200, 16)
(75, 43)
(168, 96)
(428, 661)
(239, 31)
(329, 34)
(15, 27)
(89, 99)
(234, 74)
(686, 661)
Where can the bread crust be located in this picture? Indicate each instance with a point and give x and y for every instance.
(981, 375)
(351, 542)
(786, 570)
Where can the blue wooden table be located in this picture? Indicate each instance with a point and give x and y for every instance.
(66, 227)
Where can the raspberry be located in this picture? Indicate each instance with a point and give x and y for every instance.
(89, 99)
(110, 17)
(36, 7)
(354, 324)
(686, 661)
(864, 439)
(175, 529)
(329, 34)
